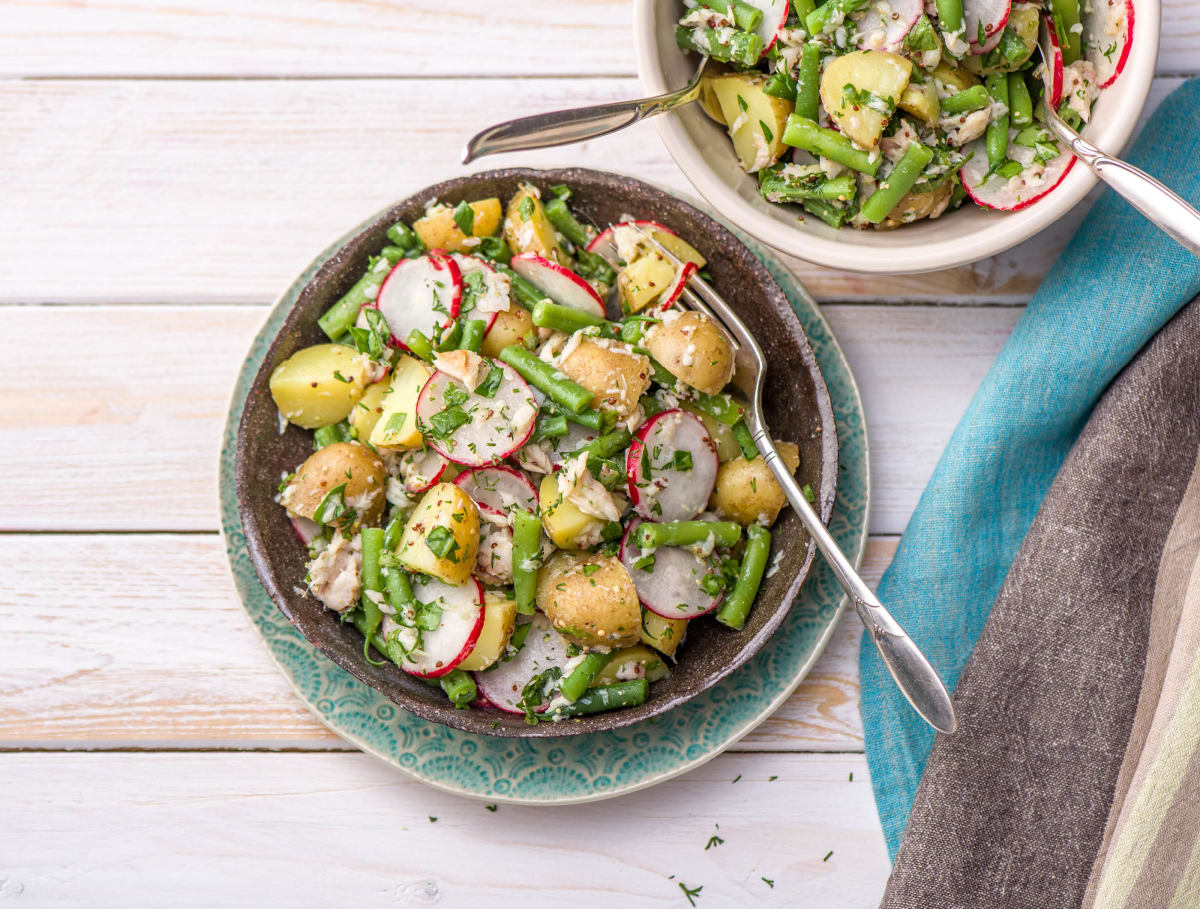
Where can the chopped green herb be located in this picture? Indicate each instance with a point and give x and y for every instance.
(395, 422)
(770, 883)
(682, 460)
(713, 840)
(525, 209)
(491, 808)
(736, 778)
(691, 894)
(443, 423)
(341, 378)
(464, 217)
(491, 382)
(827, 855)
(442, 544)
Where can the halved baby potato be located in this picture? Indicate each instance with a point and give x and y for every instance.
(441, 537)
(663, 634)
(644, 280)
(527, 229)
(755, 119)
(438, 229)
(635, 662)
(396, 424)
(349, 463)
(367, 411)
(921, 100)
(499, 619)
(319, 385)
(566, 525)
(846, 79)
(611, 371)
(508, 329)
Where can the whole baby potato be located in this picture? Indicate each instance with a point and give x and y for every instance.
(693, 349)
(611, 371)
(319, 385)
(590, 599)
(747, 491)
(325, 470)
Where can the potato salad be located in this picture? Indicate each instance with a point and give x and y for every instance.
(527, 477)
(878, 113)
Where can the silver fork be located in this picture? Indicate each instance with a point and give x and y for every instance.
(914, 675)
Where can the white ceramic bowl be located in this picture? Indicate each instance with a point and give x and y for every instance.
(703, 152)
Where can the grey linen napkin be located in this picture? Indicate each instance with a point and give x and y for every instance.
(1071, 678)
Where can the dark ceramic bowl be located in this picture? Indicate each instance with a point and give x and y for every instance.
(796, 402)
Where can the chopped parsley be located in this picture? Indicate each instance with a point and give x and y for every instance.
(442, 544)
(526, 208)
(770, 883)
(491, 383)
(690, 893)
(682, 460)
(443, 424)
(464, 217)
(713, 841)
(395, 423)
(645, 563)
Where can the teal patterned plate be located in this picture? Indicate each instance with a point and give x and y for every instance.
(582, 768)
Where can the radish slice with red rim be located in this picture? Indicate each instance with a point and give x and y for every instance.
(884, 28)
(462, 612)
(1108, 36)
(560, 449)
(774, 18)
(473, 428)
(672, 466)
(604, 245)
(668, 578)
(1048, 39)
(485, 299)
(1012, 193)
(542, 649)
(422, 294)
(560, 284)
(988, 17)
(306, 529)
(675, 291)
(421, 468)
(498, 489)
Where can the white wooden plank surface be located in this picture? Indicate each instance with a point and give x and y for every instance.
(139, 642)
(345, 38)
(130, 429)
(345, 830)
(187, 191)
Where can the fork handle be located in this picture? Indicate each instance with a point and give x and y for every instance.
(914, 674)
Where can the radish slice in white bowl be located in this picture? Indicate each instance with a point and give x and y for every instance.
(542, 649)
(883, 26)
(483, 426)
(1049, 39)
(422, 294)
(1012, 193)
(461, 620)
(672, 466)
(1108, 36)
(421, 468)
(668, 578)
(498, 489)
(560, 284)
(989, 15)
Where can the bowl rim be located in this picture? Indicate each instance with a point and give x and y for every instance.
(896, 258)
(445, 714)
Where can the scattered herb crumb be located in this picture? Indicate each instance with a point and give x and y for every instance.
(736, 778)
(772, 779)
(432, 819)
(713, 840)
(690, 893)
(827, 854)
(770, 883)
(851, 776)
(491, 808)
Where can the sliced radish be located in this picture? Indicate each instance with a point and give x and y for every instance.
(421, 468)
(775, 13)
(447, 645)
(1052, 57)
(306, 529)
(882, 28)
(496, 426)
(670, 584)
(560, 284)
(992, 15)
(660, 490)
(675, 291)
(498, 489)
(466, 265)
(1015, 193)
(502, 684)
(561, 448)
(422, 294)
(604, 244)
(1108, 36)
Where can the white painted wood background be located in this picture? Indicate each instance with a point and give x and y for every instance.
(165, 170)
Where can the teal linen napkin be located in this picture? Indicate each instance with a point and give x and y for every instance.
(1117, 283)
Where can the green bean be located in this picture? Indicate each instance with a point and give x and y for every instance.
(739, 47)
(650, 535)
(831, 214)
(494, 249)
(406, 238)
(1065, 16)
(964, 102)
(826, 15)
(527, 555)
(561, 390)
(547, 314)
(391, 534)
(550, 426)
(736, 607)
(634, 327)
(1020, 102)
(720, 407)
(459, 687)
(780, 85)
(522, 290)
(372, 548)
(802, 8)
(472, 335)
(600, 421)
(745, 16)
(582, 676)
(997, 130)
(950, 18)
(594, 267)
(392, 253)
(399, 588)
(336, 320)
(374, 639)
(778, 187)
(564, 222)
(895, 186)
(808, 81)
(609, 444)
(606, 697)
(328, 435)
(609, 472)
(419, 345)
(803, 132)
(741, 435)
(450, 337)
